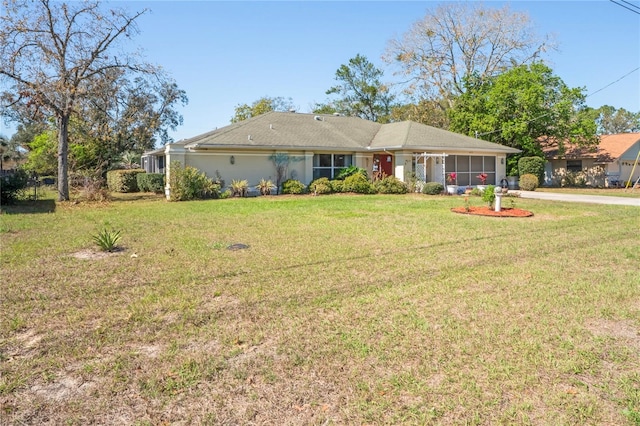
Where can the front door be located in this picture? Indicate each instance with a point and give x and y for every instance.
(383, 165)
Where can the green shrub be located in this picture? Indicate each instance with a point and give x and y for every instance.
(528, 182)
(12, 186)
(320, 186)
(533, 166)
(123, 180)
(188, 183)
(489, 194)
(432, 188)
(150, 182)
(350, 171)
(359, 184)
(337, 185)
(292, 186)
(390, 185)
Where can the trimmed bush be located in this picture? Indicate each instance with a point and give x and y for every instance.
(123, 180)
(292, 186)
(320, 186)
(359, 184)
(432, 188)
(533, 166)
(150, 182)
(528, 182)
(337, 185)
(390, 185)
(12, 186)
(189, 183)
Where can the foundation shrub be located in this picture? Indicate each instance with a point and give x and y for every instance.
(390, 185)
(320, 186)
(337, 185)
(189, 183)
(432, 188)
(528, 182)
(359, 184)
(292, 186)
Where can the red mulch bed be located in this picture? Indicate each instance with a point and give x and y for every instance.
(486, 211)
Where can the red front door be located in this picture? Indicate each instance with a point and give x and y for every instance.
(383, 163)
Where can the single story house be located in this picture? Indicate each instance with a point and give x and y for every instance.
(610, 163)
(319, 145)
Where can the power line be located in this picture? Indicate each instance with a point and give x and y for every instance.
(635, 8)
(630, 4)
(614, 82)
(548, 113)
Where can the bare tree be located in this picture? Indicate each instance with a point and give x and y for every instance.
(51, 53)
(457, 39)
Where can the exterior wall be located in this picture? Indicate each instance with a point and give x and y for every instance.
(249, 165)
(591, 174)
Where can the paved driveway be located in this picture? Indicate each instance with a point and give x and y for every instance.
(580, 198)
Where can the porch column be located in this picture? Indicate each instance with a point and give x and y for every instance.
(308, 168)
(172, 154)
(402, 165)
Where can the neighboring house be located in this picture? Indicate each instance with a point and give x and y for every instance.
(319, 145)
(610, 163)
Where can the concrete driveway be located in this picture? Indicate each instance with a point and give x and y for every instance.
(580, 198)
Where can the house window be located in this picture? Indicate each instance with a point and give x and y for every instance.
(468, 167)
(329, 165)
(574, 165)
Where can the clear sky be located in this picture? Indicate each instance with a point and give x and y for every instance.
(228, 53)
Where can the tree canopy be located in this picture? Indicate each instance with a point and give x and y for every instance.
(59, 58)
(360, 91)
(522, 108)
(460, 39)
(611, 120)
(261, 106)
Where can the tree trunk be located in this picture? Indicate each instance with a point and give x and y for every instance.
(63, 160)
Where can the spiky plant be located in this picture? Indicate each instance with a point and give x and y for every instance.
(107, 240)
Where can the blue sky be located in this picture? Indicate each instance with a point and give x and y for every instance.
(228, 53)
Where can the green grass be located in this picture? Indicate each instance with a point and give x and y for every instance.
(343, 310)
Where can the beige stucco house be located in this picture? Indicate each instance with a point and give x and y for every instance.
(319, 145)
(610, 163)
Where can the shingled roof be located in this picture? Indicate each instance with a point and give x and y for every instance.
(287, 130)
(609, 148)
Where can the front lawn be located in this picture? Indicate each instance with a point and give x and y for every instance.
(344, 309)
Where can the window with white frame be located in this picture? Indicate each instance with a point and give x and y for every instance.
(329, 165)
(469, 167)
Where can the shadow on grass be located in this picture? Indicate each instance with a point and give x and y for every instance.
(30, 207)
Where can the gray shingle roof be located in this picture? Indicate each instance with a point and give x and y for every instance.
(286, 130)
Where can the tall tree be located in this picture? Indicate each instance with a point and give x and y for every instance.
(126, 114)
(523, 108)
(360, 91)
(457, 39)
(261, 106)
(611, 120)
(52, 54)
(431, 113)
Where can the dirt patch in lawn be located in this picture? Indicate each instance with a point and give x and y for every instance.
(486, 211)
